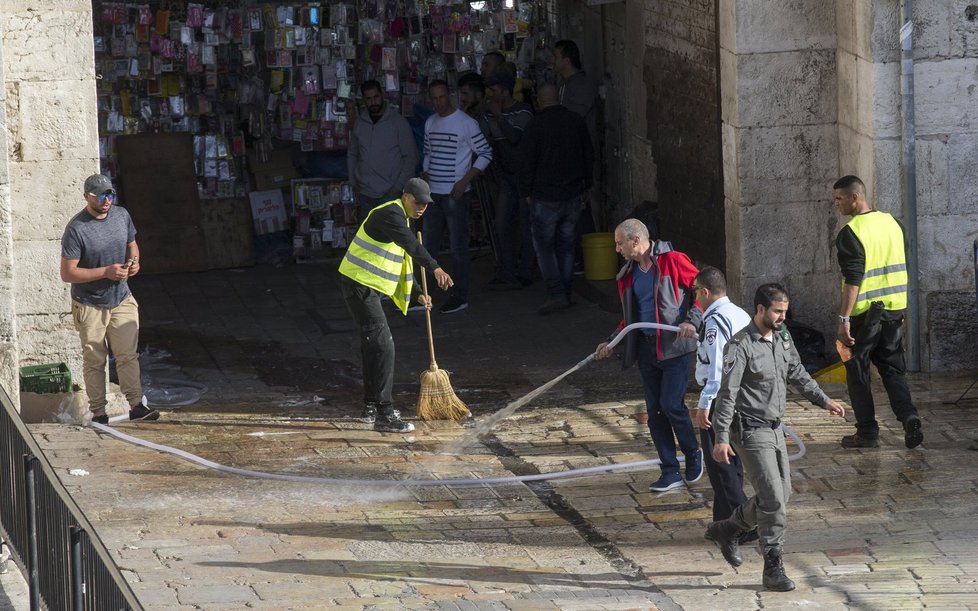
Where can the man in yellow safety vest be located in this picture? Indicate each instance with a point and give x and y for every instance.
(872, 255)
(378, 262)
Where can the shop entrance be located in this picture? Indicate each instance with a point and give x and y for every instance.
(225, 123)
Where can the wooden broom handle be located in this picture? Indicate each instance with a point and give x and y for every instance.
(427, 313)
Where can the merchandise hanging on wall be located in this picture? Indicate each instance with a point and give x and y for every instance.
(248, 79)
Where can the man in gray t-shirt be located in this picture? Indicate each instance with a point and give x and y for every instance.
(98, 254)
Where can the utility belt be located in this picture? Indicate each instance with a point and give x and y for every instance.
(750, 423)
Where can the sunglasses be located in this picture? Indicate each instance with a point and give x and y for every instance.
(103, 196)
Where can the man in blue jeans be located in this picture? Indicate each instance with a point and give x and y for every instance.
(556, 172)
(451, 140)
(655, 285)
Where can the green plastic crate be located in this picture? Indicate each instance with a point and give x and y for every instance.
(50, 378)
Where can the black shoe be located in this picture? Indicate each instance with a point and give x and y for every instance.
(389, 421)
(858, 441)
(726, 535)
(749, 537)
(453, 305)
(503, 284)
(912, 435)
(774, 577)
(141, 412)
(552, 305)
(369, 414)
(694, 466)
(101, 419)
(524, 281)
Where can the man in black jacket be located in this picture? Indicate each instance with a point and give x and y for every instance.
(556, 171)
(379, 262)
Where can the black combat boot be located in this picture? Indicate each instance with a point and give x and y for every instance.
(726, 534)
(389, 421)
(774, 577)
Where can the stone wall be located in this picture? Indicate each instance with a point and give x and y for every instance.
(811, 91)
(51, 135)
(946, 116)
(781, 150)
(8, 326)
(629, 167)
(683, 125)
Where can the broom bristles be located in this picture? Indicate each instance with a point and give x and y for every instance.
(438, 401)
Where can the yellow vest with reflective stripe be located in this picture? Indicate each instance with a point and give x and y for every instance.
(885, 274)
(382, 266)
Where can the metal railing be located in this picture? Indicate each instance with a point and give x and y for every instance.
(66, 565)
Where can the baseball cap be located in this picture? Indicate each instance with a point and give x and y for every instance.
(419, 189)
(97, 184)
(503, 79)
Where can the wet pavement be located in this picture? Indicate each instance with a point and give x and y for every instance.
(869, 529)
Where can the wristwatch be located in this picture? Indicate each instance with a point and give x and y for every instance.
(843, 319)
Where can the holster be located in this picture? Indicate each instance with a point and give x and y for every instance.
(748, 423)
(871, 322)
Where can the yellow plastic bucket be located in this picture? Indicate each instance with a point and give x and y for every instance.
(833, 374)
(600, 258)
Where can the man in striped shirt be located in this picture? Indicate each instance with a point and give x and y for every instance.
(455, 152)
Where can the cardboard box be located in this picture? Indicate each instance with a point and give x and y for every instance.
(276, 173)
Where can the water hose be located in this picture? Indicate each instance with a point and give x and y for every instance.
(421, 483)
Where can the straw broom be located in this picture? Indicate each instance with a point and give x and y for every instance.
(437, 401)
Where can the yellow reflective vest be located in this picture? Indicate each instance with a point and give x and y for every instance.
(382, 266)
(885, 272)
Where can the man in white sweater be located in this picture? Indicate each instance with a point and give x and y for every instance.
(455, 152)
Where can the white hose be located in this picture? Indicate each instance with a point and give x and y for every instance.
(420, 483)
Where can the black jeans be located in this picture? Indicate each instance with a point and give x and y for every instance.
(376, 342)
(879, 340)
(727, 480)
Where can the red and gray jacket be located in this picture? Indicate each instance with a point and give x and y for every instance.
(673, 295)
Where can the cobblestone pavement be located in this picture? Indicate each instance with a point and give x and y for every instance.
(13, 589)
(870, 529)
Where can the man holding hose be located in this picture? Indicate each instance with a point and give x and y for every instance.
(655, 285)
(379, 262)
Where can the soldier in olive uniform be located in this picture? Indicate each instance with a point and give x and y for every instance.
(757, 364)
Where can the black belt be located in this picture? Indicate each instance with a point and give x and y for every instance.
(757, 423)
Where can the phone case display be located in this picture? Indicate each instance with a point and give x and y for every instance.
(177, 66)
(324, 216)
(239, 73)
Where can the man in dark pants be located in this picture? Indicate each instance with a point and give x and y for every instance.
(555, 172)
(578, 94)
(872, 255)
(654, 286)
(379, 262)
(758, 363)
(504, 122)
(455, 152)
(722, 318)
